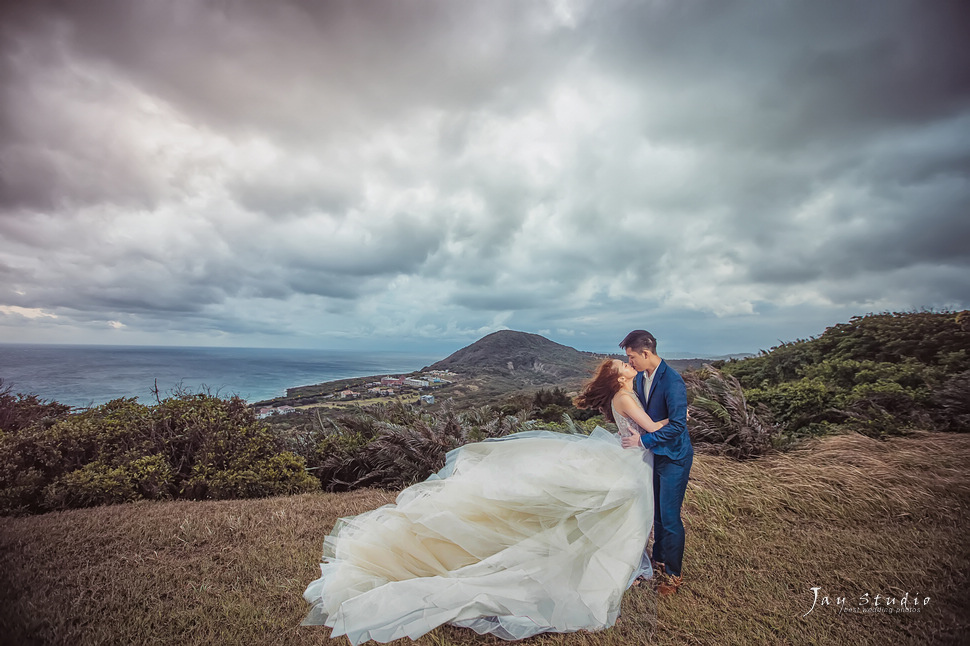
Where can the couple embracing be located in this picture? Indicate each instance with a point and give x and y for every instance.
(533, 532)
(647, 400)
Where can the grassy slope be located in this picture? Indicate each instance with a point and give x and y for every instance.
(849, 514)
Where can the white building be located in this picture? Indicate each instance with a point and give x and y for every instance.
(264, 412)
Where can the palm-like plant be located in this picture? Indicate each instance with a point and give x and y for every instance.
(402, 455)
(333, 447)
(395, 445)
(721, 418)
(952, 401)
(487, 422)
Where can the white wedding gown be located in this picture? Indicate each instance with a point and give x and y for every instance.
(534, 532)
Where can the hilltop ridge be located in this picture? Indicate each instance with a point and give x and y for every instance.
(522, 354)
(519, 354)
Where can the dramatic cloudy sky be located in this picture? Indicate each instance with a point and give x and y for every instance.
(410, 174)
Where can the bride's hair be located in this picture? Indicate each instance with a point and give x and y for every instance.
(598, 393)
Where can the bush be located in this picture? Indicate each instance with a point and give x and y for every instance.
(91, 485)
(338, 461)
(20, 411)
(280, 474)
(796, 404)
(186, 446)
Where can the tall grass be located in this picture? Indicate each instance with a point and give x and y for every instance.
(847, 514)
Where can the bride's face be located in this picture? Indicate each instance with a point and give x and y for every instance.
(623, 369)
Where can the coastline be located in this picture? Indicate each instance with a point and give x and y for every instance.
(82, 376)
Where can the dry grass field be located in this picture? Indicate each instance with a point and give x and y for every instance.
(847, 514)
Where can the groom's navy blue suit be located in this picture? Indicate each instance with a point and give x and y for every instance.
(673, 456)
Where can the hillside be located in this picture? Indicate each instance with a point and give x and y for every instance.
(489, 370)
(520, 354)
(850, 515)
(879, 374)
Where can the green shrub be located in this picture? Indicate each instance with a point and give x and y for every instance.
(794, 404)
(93, 484)
(283, 473)
(21, 488)
(19, 411)
(339, 463)
(187, 446)
(153, 477)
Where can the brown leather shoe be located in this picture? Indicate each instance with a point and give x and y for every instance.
(669, 584)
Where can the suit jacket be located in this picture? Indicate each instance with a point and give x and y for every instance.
(668, 400)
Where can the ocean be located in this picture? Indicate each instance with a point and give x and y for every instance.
(90, 375)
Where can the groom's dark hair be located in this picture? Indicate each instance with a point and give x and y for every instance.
(639, 340)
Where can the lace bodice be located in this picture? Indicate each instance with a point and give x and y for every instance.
(625, 425)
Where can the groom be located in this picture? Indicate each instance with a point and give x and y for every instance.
(663, 395)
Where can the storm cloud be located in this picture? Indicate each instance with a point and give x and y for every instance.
(419, 173)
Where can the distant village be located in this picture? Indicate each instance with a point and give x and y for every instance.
(387, 387)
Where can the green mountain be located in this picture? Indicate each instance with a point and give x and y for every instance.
(529, 357)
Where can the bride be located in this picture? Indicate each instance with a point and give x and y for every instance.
(533, 532)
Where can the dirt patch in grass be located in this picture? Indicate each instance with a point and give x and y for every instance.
(848, 515)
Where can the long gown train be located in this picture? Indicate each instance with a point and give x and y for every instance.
(534, 532)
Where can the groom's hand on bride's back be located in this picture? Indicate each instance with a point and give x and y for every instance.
(631, 442)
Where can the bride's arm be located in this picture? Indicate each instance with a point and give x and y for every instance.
(632, 409)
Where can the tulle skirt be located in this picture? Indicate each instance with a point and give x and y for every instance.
(534, 532)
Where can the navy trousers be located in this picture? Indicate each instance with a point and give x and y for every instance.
(669, 486)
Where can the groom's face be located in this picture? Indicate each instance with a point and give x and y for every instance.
(637, 359)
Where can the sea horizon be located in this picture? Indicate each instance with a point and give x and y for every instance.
(83, 375)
